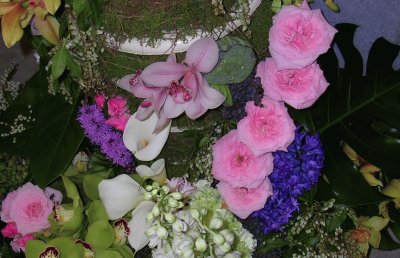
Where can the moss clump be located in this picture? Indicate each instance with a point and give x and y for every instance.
(152, 18)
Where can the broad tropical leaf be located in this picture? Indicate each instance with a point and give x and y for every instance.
(363, 111)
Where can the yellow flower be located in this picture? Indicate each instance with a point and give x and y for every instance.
(367, 232)
(393, 190)
(16, 15)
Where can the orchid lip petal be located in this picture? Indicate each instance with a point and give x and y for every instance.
(140, 139)
(156, 172)
(120, 195)
(138, 225)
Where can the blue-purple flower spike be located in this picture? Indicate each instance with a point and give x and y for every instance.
(295, 172)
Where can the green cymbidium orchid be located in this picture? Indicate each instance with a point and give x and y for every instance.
(16, 15)
(367, 232)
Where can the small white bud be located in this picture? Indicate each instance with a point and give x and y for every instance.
(195, 213)
(200, 244)
(226, 247)
(148, 196)
(179, 226)
(154, 192)
(173, 203)
(162, 232)
(216, 223)
(155, 211)
(169, 217)
(149, 217)
(229, 236)
(165, 189)
(151, 231)
(218, 239)
(176, 195)
(156, 185)
(187, 252)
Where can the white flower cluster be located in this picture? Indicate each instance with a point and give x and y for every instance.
(184, 227)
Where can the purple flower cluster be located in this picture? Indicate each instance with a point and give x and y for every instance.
(295, 172)
(99, 133)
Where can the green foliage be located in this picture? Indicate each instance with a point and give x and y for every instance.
(59, 62)
(90, 183)
(224, 89)
(52, 136)
(236, 63)
(364, 112)
(100, 234)
(89, 12)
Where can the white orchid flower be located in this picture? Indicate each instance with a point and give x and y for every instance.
(120, 195)
(138, 225)
(140, 138)
(156, 172)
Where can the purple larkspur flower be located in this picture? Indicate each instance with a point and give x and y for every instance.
(93, 122)
(295, 172)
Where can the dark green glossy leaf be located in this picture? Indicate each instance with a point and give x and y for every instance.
(75, 69)
(387, 242)
(271, 242)
(363, 111)
(336, 221)
(59, 62)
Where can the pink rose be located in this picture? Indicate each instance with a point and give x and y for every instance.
(118, 122)
(5, 206)
(117, 106)
(298, 36)
(19, 243)
(30, 209)
(266, 129)
(242, 201)
(10, 230)
(100, 99)
(235, 163)
(299, 88)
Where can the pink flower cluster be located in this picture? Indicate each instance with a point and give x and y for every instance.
(297, 37)
(171, 88)
(117, 109)
(242, 159)
(26, 211)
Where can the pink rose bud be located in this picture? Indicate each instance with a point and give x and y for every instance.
(100, 99)
(117, 106)
(6, 205)
(19, 243)
(299, 88)
(242, 201)
(298, 36)
(266, 129)
(10, 230)
(236, 164)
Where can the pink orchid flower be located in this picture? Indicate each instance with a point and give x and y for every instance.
(186, 89)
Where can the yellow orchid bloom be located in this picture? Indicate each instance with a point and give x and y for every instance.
(16, 15)
(367, 232)
(393, 190)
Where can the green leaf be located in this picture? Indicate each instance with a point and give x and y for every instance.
(96, 212)
(124, 250)
(90, 184)
(235, 65)
(226, 42)
(79, 6)
(70, 188)
(271, 242)
(224, 89)
(387, 242)
(336, 221)
(75, 69)
(56, 140)
(100, 234)
(353, 110)
(59, 62)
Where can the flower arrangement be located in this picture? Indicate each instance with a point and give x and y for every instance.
(218, 152)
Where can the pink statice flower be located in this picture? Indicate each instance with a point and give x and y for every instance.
(118, 122)
(19, 242)
(299, 88)
(117, 106)
(30, 209)
(100, 99)
(182, 185)
(10, 230)
(235, 163)
(243, 201)
(298, 36)
(266, 129)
